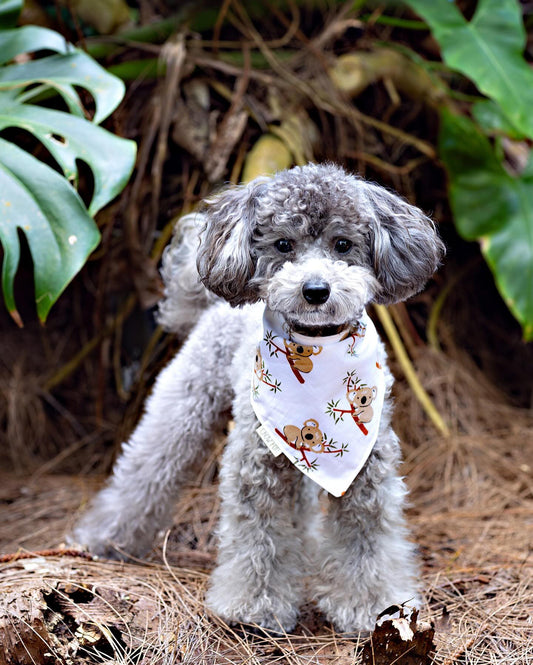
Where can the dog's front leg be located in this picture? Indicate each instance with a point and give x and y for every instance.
(261, 559)
(172, 438)
(365, 561)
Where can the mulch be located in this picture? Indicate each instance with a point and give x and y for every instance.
(471, 514)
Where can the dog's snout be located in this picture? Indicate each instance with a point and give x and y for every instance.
(316, 293)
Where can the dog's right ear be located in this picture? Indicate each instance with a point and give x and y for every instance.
(225, 262)
(406, 248)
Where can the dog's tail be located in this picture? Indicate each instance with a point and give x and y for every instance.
(185, 297)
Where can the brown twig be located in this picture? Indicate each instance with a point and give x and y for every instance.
(19, 556)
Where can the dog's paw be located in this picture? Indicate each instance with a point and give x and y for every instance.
(104, 536)
(96, 543)
(256, 631)
(267, 625)
(350, 620)
(349, 614)
(254, 615)
(356, 619)
(240, 594)
(97, 550)
(268, 611)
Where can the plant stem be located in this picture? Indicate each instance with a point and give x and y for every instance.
(409, 370)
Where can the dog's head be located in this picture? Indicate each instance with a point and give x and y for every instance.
(317, 244)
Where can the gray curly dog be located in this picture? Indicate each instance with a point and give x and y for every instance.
(317, 245)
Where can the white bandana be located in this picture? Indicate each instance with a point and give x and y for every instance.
(319, 399)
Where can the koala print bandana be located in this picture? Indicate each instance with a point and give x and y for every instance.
(319, 399)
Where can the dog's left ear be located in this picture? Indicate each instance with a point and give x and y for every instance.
(406, 249)
(225, 261)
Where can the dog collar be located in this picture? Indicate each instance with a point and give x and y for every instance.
(319, 399)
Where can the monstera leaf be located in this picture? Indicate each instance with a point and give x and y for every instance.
(493, 206)
(61, 234)
(9, 11)
(488, 50)
(41, 201)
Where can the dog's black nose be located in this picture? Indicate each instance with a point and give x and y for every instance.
(316, 293)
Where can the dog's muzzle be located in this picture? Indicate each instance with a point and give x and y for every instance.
(316, 292)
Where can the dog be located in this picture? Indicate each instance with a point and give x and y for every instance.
(314, 245)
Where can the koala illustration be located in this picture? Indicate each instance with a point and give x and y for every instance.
(359, 330)
(258, 364)
(299, 355)
(360, 400)
(309, 437)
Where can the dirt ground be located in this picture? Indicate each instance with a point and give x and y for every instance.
(471, 514)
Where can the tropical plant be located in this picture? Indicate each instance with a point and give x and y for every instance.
(36, 198)
(490, 202)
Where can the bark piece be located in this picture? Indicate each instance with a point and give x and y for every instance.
(24, 636)
(398, 638)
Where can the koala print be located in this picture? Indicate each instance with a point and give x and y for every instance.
(299, 355)
(309, 437)
(263, 374)
(361, 400)
(258, 364)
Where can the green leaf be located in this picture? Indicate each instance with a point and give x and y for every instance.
(61, 70)
(30, 38)
(34, 197)
(494, 207)
(9, 12)
(68, 139)
(60, 232)
(488, 50)
(491, 118)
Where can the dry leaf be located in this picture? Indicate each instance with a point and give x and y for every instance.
(268, 155)
(104, 15)
(353, 72)
(399, 639)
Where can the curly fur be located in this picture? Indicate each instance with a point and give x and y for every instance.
(272, 533)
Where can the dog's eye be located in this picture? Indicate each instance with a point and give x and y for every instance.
(283, 245)
(343, 245)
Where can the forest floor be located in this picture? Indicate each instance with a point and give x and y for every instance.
(471, 514)
(71, 390)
